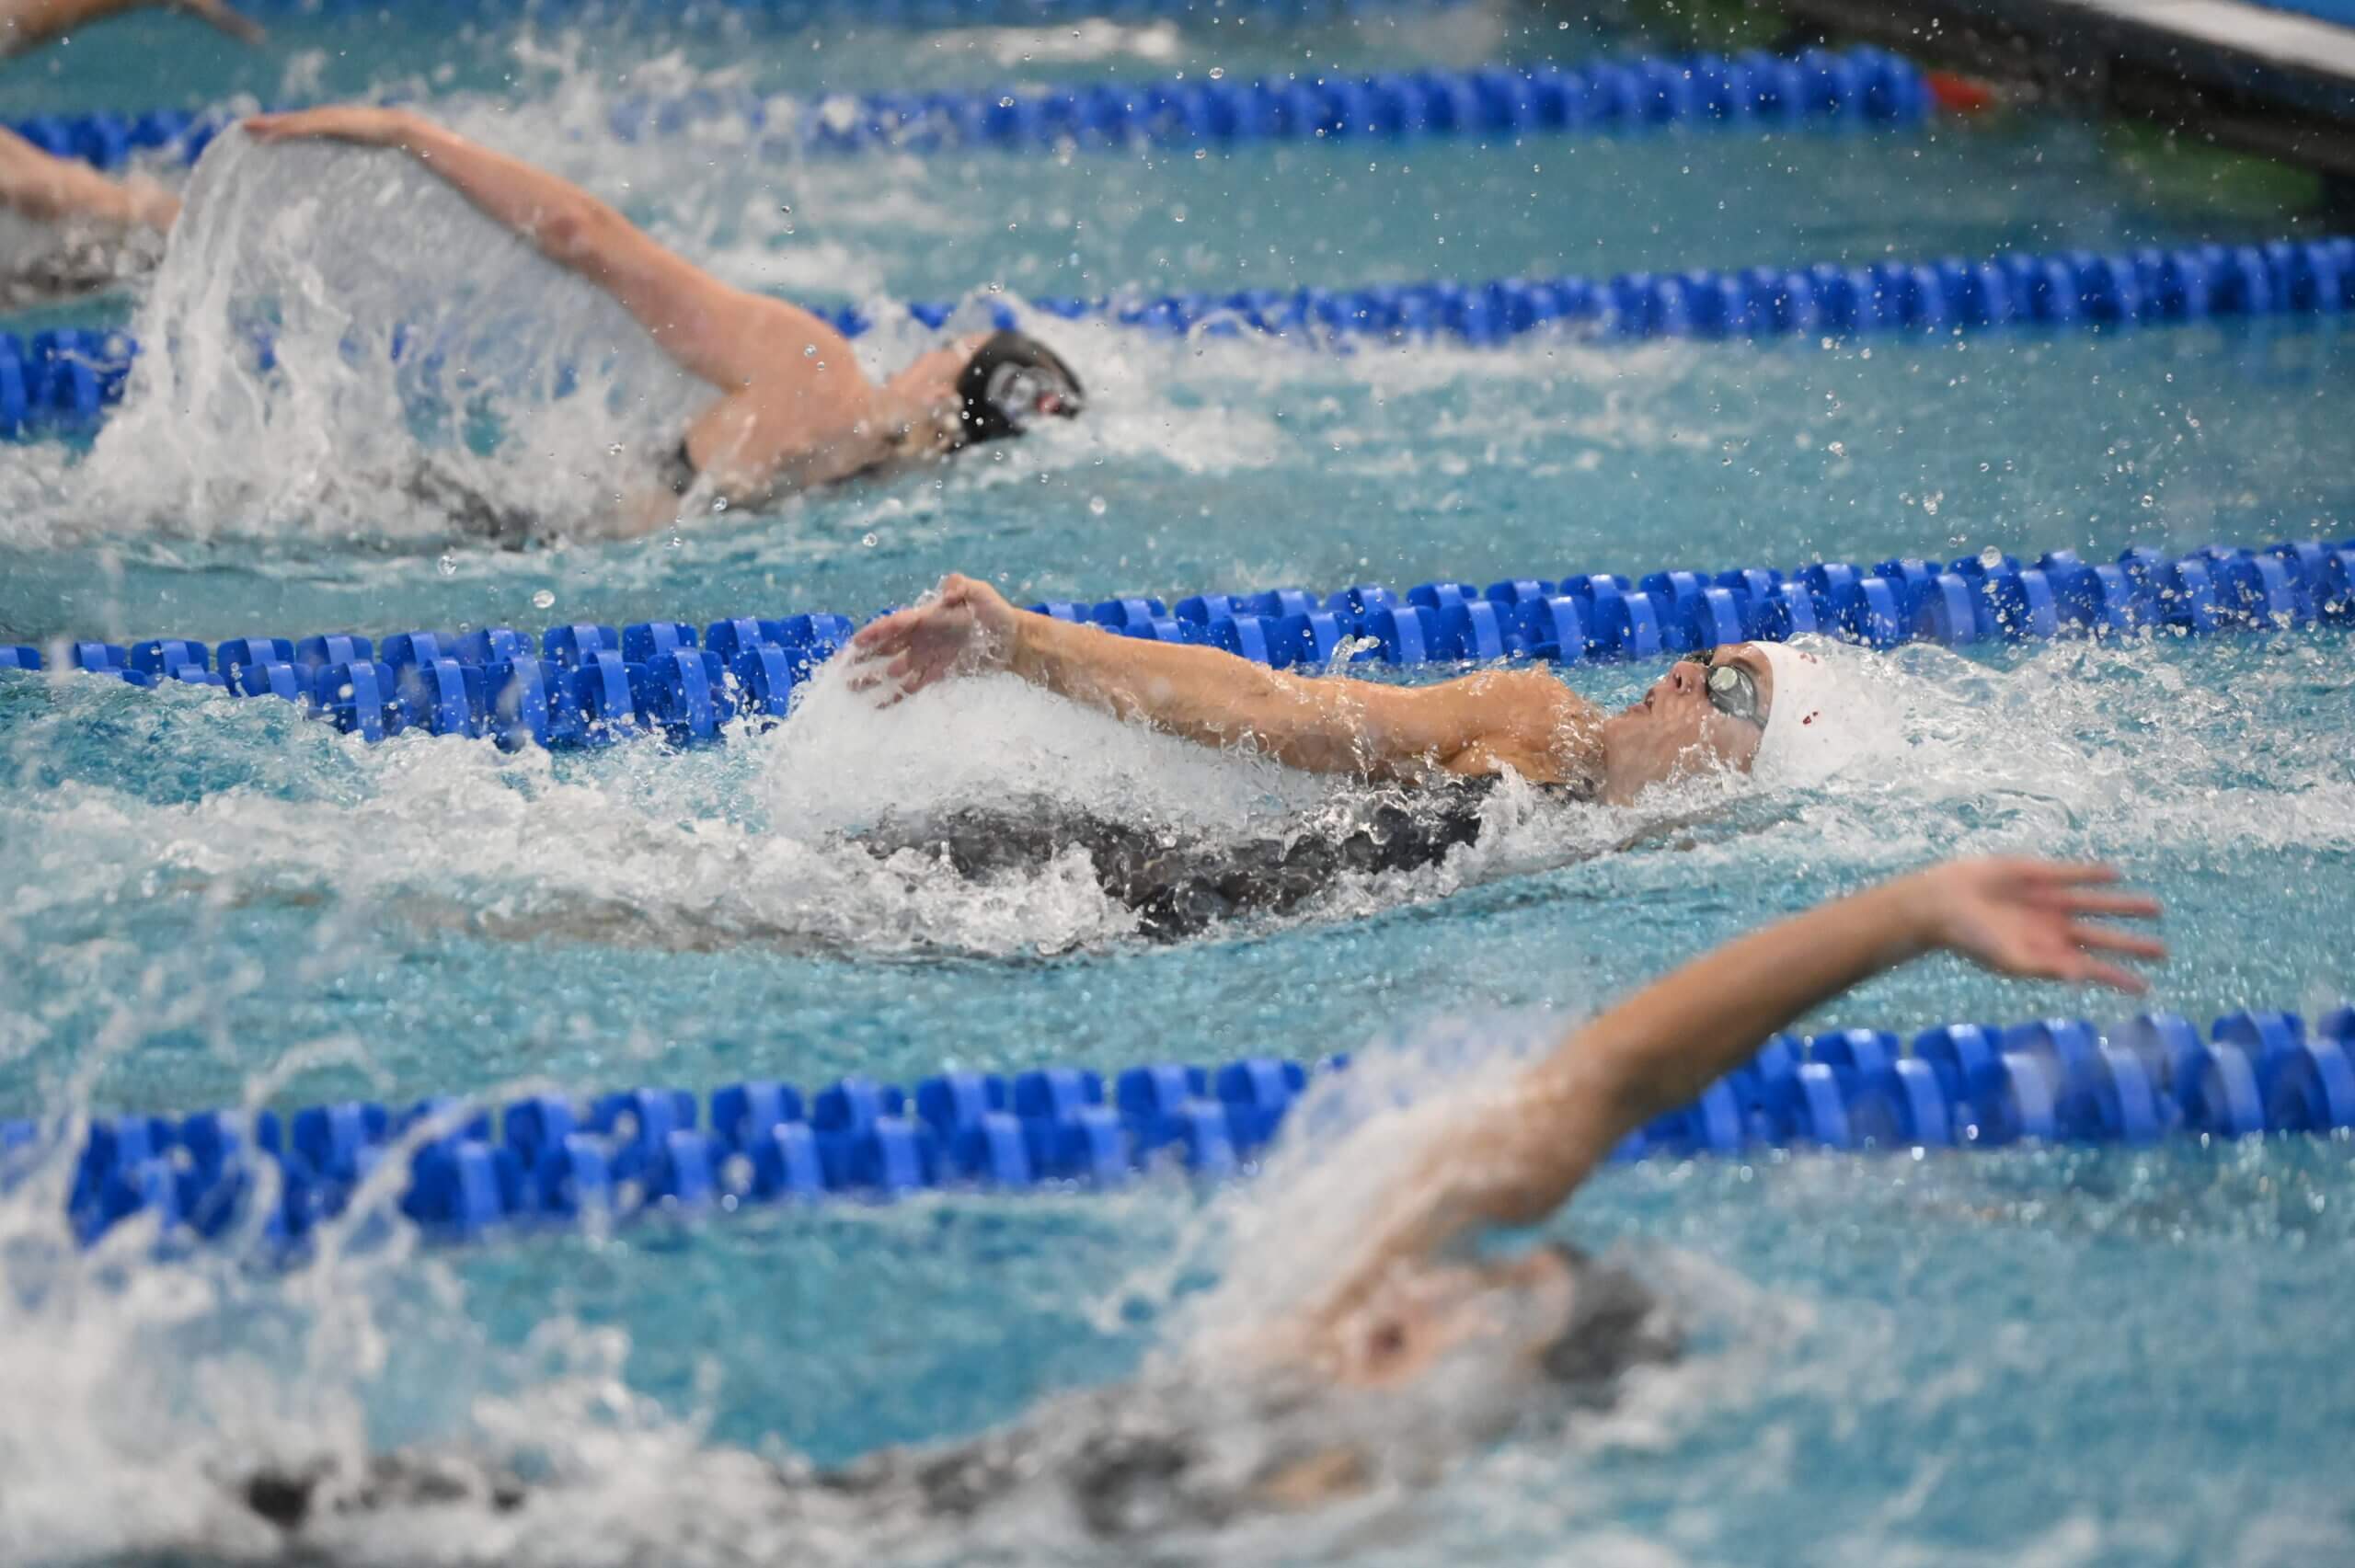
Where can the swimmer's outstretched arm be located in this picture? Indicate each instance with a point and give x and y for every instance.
(27, 24)
(41, 184)
(792, 384)
(1520, 719)
(1661, 1047)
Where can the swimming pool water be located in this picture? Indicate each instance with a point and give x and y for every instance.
(2066, 1356)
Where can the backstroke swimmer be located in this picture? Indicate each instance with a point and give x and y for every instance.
(794, 410)
(1329, 1398)
(1761, 708)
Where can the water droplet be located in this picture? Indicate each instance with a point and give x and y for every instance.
(1218, 73)
(542, 600)
(868, 541)
(719, 503)
(615, 450)
(809, 351)
(447, 564)
(1096, 505)
(1200, 153)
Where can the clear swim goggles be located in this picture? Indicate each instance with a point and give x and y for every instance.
(1732, 690)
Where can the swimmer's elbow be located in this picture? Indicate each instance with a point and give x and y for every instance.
(577, 232)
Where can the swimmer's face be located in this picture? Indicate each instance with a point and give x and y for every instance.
(929, 381)
(1674, 730)
(1515, 1309)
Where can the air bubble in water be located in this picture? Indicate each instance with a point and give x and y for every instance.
(542, 600)
(867, 540)
(447, 565)
(1990, 556)
(1096, 505)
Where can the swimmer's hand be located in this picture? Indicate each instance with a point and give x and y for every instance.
(2026, 917)
(965, 628)
(364, 125)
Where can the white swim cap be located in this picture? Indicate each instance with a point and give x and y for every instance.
(1825, 716)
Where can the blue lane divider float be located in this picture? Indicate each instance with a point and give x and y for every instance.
(66, 379)
(590, 685)
(554, 1158)
(1821, 88)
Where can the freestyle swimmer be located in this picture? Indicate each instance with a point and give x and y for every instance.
(1763, 708)
(1337, 1392)
(795, 410)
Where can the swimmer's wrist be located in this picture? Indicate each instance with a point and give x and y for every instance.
(1913, 913)
(1026, 647)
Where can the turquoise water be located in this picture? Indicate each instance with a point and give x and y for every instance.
(2096, 1357)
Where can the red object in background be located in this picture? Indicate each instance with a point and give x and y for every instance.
(1961, 94)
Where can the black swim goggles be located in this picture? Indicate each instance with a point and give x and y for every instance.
(1732, 690)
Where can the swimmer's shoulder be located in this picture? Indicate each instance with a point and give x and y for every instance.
(1527, 721)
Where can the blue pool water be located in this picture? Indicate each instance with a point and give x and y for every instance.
(2079, 1357)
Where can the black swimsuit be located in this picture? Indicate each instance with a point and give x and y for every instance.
(1180, 886)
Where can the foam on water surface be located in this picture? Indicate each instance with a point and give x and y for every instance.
(2066, 1356)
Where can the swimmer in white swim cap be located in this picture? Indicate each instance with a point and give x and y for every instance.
(1787, 714)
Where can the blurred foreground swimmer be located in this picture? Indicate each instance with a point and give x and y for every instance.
(1349, 1379)
(794, 409)
(1786, 714)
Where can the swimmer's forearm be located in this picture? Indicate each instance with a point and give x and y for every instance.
(1662, 1046)
(1682, 1033)
(553, 213)
(1202, 694)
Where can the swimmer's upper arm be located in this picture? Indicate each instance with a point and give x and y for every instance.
(1524, 719)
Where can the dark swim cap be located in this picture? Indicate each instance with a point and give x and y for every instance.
(1011, 380)
(1616, 1324)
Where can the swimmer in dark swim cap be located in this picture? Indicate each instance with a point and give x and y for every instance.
(794, 409)
(1327, 1387)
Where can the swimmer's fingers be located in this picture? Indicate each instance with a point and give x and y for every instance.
(2109, 939)
(884, 631)
(2124, 905)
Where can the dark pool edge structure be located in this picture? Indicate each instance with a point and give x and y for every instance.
(271, 1181)
(1825, 89)
(592, 685)
(64, 380)
(2278, 82)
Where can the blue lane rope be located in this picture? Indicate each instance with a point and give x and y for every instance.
(65, 380)
(590, 685)
(1824, 89)
(551, 1160)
